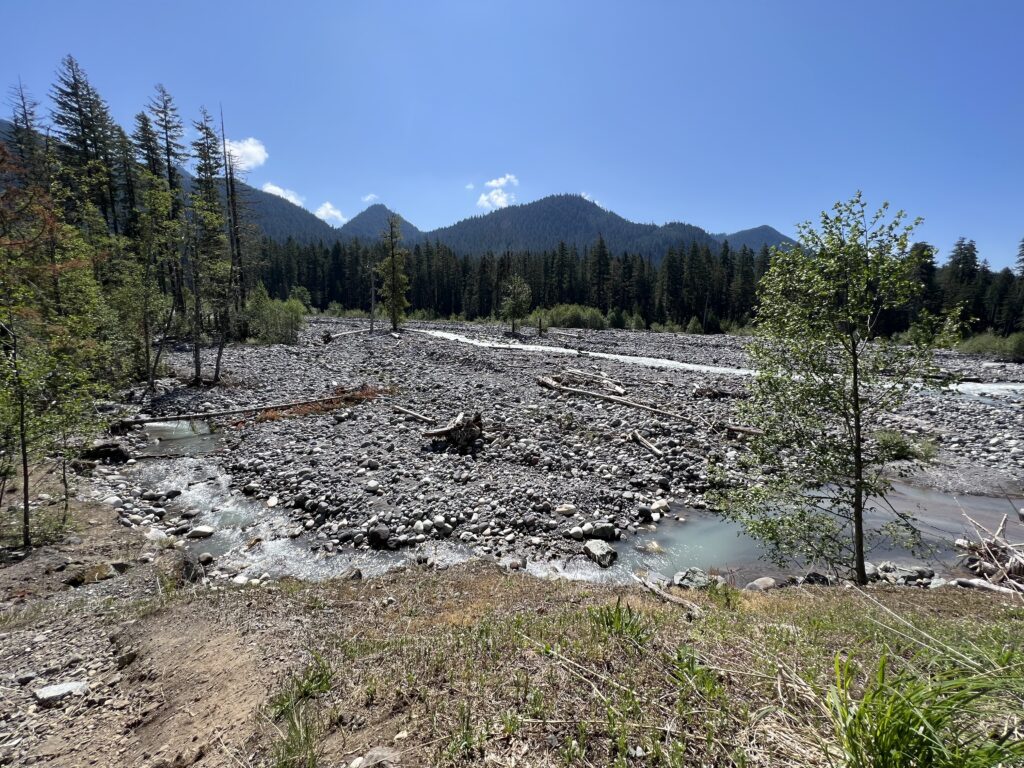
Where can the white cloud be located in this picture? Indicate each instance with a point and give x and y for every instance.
(508, 178)
(288, 194)
(327, 211)
(496, 198)
(471, 185)
(368, 198)
(591, 198)
(248, 153)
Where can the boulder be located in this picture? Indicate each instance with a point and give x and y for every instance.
(108, 453)
(378, 536)
(762, 584)
(201, 532)
(600, 552)
(51, 695)
(604, 530)
(692, 578)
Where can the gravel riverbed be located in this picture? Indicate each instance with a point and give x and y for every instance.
(552, 471)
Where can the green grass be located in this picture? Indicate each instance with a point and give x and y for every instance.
(299, 741)
(316, 678)
(999, 347)
(945, 719)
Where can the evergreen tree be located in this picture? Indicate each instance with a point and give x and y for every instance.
(515, 302)
(394, 281)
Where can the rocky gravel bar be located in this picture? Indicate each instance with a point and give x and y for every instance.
(553, 470)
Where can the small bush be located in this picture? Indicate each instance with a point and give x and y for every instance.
(569, 316)
(895, 446)
(694, 326)
(621, 621)
(272, 321)
(317, 677)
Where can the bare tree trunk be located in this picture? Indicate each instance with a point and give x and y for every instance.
(197, 322)
(858, 469)
(160, 347)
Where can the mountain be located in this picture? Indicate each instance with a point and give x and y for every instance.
(535, 226)
(572, 219)
(369, 224)
(756, 237)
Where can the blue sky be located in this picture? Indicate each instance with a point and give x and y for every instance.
(725, 114)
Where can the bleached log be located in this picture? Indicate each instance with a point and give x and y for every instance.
(694, 611)
(417, 416)
(636, 437)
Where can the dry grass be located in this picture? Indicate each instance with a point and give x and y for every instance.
(480, 667)
(341, 397)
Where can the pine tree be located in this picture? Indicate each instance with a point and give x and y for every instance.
(394, 281)
(515, 302)
(207, 225)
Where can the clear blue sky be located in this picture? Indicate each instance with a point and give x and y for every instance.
(723, 114)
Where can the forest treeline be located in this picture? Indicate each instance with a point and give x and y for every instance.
(716, 287)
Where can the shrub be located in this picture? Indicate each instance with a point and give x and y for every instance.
(1000, 347)
(694, 326)
(272, 321)
(570, 316)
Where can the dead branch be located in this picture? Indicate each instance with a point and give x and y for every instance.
(636, 437)
(550, 383)
(694, 611)
(417, 416)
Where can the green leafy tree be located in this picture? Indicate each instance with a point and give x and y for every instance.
(824, 381)
(515, 303)
(394, 285)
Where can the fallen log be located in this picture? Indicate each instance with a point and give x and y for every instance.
(693, 611)
(550, 383)
(741, 430)
(986, 585)
(126, 423)
(328, 337)
(636, 437)
(417, 416)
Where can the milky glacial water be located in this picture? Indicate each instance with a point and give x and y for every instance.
(1010, 390)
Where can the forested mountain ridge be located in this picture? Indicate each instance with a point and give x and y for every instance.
(534, 226)
(574, 220)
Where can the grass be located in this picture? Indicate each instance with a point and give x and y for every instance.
(999, 347)
(316, 678)
(947, 719)
(481, 667)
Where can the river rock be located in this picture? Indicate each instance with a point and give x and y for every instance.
(378, 536)
(692, 578)
(604, 530)
(762, 584)
(600, 552)
(201, 532)
(51, 695)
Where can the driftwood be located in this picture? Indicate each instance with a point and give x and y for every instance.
(460, 432)
(120, 426)
(693, 611)
(636, 437)
(598, 378)
(738, 429)
(417, 416)
(716, 393)
(550, 383)
(989, 586)
(993, 557)
(328, 337)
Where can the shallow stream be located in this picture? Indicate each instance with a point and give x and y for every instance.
(250, 535)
